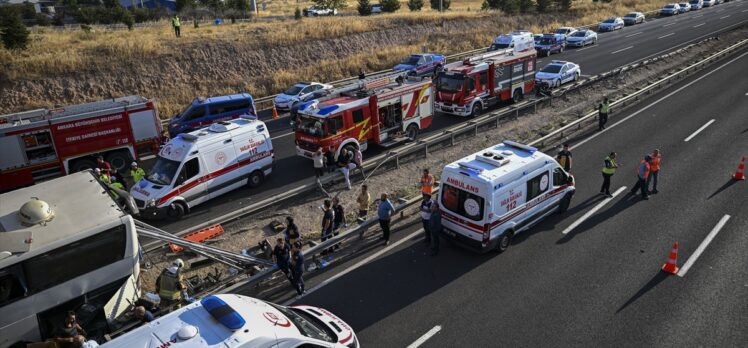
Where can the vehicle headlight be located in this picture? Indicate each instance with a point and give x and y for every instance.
(151, 203)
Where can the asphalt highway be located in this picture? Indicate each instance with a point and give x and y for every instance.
(614, 49)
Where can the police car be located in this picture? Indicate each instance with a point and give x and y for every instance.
(557, 73)
(237, 321)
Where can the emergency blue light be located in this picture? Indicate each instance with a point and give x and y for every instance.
(304, 105)
(222, 312)
(327, 109)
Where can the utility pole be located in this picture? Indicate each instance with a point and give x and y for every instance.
(440, 5)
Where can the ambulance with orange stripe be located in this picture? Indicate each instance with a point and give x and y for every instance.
(197, 166)
(490, 196)
(384, 111)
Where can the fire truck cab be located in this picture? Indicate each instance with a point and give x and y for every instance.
(385, 111)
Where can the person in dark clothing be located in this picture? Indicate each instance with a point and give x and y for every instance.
(603, 111)
(297, 268)
(291, 232)
(435, 227)
(104, 166)
(143, 315)
(327, 223)
(425, 216)
(281, 255)
(564, 158)
(642, 174)
(330, 159)
(71, 331)
(384, 213)
(361, 74)
(338, 220)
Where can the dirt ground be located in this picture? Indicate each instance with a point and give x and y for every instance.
(403, 182)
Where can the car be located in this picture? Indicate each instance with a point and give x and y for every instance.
(670, 10)
(314, 11)
(557, 73)
(684, 7)
(582, 38)
(295, 93)
(708, 3)
(421, 64)
(296, 106)
(566, 31)
(696, 4)
(376, 8)
(536, 38)
(610, 24)
(633, 18)
(551, 43)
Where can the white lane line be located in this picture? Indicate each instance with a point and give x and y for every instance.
(703, 246)
(425, 337)
(744, 11)
(658, 101)
(723, 17)
(586, 48)
(701, 15)
(699, 130)
(634, 34)
(664, 36)
(592, 211)
(357, 265)
(622, 49)
(698, 25)
(669, 24)
(282, 135)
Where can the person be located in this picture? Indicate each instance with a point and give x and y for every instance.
(564, 158)
(384, 213)
(170, 283)
(319, 163)
(71, 332)
(101, 176)
(363, 200)
(642, 174)
(292, 231)
(115, 183)
(344, 161)
(142, 315)
(654, 170)
(175, 23)
(297, 268)
(427, 183)
(435, 227)
(103, 165)
(327, 219)
(425, 216)
(339, 218)
(136, 173)
(361, 74)
(608, 170)
(281, 255)
(603, 111)
(330, 159)
(358, 159)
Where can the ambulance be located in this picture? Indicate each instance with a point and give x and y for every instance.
(229, 320)
(197, 166)
(488, 197)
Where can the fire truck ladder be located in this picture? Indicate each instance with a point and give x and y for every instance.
(369, 84)
(481, 58)
(30, 116)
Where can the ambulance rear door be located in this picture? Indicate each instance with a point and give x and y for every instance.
(464, 203)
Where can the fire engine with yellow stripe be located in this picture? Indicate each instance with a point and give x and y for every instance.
(384, 111)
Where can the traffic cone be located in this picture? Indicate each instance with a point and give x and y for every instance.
(672, 262)
(741, 168)
(275, 113)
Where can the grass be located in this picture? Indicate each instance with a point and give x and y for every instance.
(184, 68)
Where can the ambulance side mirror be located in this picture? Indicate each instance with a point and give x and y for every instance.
(570, 179)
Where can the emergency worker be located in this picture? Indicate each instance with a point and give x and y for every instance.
(105, 167)
(654, 170)
(427, 183)
(603, 111)
(176, 24)
(171, 282)
(642, 174)
(136, 173)
(564, 158)
(609, 168)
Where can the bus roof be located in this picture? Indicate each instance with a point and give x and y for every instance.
(500, 164)
(79, 203)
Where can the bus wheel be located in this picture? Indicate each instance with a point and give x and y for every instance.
(504, 241)
(175, 211)
(412, 132)
(255, 179)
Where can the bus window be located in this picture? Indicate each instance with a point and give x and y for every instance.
(11, 287)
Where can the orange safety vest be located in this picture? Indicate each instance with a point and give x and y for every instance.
(643, 169)
(655, 165)
(427, 184)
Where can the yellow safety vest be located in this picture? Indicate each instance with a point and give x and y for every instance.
(175, 21)
(169, 287)
(137, 174)
(605, 107)
(610, 170)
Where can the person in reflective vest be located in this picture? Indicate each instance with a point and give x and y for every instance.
(654, 170)
(136, 173)
(642, 174)
(603, 110)
(564, 158)
(609, 168)
(175, 23)
(170, 283)
(427, 183)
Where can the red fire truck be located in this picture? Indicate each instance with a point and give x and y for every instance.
(468, 87)
(384, 111)
(44, 143)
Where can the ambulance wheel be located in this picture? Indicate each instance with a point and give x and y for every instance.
(563, 206)
(412, 132)
(255, 179)
(175, 211)
(504, 241)
(82, 164)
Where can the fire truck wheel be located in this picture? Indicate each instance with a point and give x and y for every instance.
(476, 110)
(412, 132)
(82, 164)
(255, 179)
(119, 160)
(504, 241)
(517, 96)
(175, 211)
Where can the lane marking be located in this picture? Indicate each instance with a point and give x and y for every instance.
(703, 245)
(622, 49)
(669, 24)
(585, 48)
(592, 211)
(425, 337)
(282, 135)
(698, 25)
(699, 130)
(357, 265)
(723, 17)
(664, 36)
(634, 34)
(744, 11)
(701, 15)
(657, 102)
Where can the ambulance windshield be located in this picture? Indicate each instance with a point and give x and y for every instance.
(307, 325)
(462, 202)
(311, 126)
(450, 83)
(163, 171)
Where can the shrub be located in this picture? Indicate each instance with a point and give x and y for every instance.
(543, 6)
(126, 18)
(297, 14)
(364, 7)
(390, 5)
(445, 4)
(416, 5)
(526, 6)
(13, 33)
(42, 20)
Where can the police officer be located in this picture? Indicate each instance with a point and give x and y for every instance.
(603, 110)
(609, 169)
(136, 173)
(297, 268)
(170, 283)
(564, 158)
(642, 174)
(425, 216)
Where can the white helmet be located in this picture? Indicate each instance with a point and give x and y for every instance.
(97, 171)
(178, 263)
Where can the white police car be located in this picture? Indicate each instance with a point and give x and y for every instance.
(228, 320)
(297, 92)
(557, 73)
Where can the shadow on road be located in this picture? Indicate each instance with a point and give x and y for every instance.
(550, 223)
(724, 187)
(622, 204)
(651, 284)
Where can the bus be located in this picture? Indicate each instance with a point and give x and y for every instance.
(65, 245)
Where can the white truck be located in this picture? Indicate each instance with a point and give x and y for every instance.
(520, 40)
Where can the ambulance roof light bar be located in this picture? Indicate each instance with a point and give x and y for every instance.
(468, 166)
(517, 145)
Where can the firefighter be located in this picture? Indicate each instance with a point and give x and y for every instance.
(170, 284)
(136, 173)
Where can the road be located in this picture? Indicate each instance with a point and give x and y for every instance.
(613, 50)
(598, 283)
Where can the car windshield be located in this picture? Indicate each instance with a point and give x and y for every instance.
(450, 83)
(311, 125)
(631, 15)
(305, 323)
(163, 171)
(561, 31)
(669, 6)
(412, 60)
(609, 21)
(546, 41)
(579, 34)
(463, 203)
(552, 69)
(294, 90)
(499, 46)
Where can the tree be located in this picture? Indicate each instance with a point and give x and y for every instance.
(564, 5)
(13, 33)
(332, 4)
(390, 5)
(126, 18)
(364, 7)
(508, 6)
(543, 6)
(526, 6)
(444, 3)
(181, 4)
(297, 14)
(415, 5)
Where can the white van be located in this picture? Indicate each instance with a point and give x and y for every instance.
(242, 322)
(197, 166)
(520, 41)
(489, 196)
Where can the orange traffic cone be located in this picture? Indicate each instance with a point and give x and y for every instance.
(672, 262)
(741, 168)
(275, 113)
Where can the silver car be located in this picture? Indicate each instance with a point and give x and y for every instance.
(610, 24)
(633, 18)
(582, 38)
(670, 10)
(684, 7)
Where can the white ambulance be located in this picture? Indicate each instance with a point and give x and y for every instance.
(241, 322)
(197, 166)
(488, 197)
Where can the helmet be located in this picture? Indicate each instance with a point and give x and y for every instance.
(134, 164)
(97, 171)
(178, 263)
